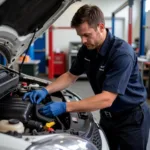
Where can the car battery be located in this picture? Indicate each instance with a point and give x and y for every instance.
(59, 63)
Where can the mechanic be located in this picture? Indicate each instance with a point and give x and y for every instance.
(112, 70)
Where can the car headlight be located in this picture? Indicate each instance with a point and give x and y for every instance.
(63, 142)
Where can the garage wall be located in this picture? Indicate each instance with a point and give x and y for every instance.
(147, 31)
(63, 37)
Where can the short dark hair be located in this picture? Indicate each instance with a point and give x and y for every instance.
(90, 14)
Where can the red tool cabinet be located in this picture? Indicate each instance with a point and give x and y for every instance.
(59, 63)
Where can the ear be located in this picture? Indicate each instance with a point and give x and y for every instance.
(100, 27)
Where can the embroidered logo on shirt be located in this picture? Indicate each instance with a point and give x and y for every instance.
(86, 59)
(102, 68)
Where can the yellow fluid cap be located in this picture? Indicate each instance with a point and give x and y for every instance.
(50, 124)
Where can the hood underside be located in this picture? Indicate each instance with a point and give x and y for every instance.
(19, 19)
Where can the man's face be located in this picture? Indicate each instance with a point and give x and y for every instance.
(91, 37)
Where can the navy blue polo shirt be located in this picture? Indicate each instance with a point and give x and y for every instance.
(113, 68)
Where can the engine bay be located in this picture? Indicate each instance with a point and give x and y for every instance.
(21, 117)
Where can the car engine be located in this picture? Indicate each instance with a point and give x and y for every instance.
(21, 118)
(15, 110)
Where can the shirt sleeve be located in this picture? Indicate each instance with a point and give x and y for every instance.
(118, 75)
(77, 67)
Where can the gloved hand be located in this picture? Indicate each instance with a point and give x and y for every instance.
(53, 109)
(36, 96)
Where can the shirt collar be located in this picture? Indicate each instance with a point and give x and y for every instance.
(105, 46)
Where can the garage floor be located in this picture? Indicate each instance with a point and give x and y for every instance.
(83, 89)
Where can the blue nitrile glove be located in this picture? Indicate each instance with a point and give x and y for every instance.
(53, 109)
(36, 96)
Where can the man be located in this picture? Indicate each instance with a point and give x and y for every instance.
(112, 70)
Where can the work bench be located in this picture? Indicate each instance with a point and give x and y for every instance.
(31, 67)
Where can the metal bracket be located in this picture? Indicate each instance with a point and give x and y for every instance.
(130, 2)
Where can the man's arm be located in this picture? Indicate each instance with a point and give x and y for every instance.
(99, 101)
(62, 82)
(65, 80)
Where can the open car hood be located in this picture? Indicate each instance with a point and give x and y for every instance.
(19, 19)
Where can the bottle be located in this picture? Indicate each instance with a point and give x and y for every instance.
(11, 125)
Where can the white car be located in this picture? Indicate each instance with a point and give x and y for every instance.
(21, 125)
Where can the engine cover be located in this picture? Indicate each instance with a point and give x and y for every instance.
(8, 81)
(15, 108)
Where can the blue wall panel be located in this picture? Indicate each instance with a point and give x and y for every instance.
(39, 44)
(39, 52)
(31, 51)
(2, 60)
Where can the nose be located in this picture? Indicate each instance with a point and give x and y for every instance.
(83, 40)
